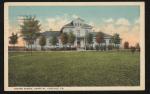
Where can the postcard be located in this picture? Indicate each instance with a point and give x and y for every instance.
(74, 46)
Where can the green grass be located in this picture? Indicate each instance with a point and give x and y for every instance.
(74, 69)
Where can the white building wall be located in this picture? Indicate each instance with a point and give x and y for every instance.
(107, 42)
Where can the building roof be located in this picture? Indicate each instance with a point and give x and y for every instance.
(86, 25)
(51, 33)
(71, 25)
(80, 19)
(105, 35)
(57, 33)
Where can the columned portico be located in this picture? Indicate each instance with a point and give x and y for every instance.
(79, 29)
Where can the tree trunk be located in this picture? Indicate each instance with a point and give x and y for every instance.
(70, 47)
(65, 47)
(24, 46)
(105, 46)
(41, 48)
(31, 49)
(14, 47)
(99, 47)
(27, 46)
(35, 45)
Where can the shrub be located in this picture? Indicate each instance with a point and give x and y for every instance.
(137, 47)
(133, 49)
(104, 47)
(97, 47)
(110, 47)
(63, 49)
(87, 48)
(126, 45)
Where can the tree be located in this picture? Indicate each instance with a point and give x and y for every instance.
(126, 45)
(89, 39)
(42, 42)
(64, 38)
(116, 40)
(99, 38)
(30, 30)
(71, 38)
(137, 46)
(54, 40)
(13, 39)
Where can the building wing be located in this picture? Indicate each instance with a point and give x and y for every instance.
(48, 34)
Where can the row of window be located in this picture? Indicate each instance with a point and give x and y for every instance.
(77, 24)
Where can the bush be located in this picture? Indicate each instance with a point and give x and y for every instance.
(138, 49)
(126, 45)
(110, 47)
(101, 48)
(91, 48)
(133, 49)
(97, 47)
(63, 49)
(104, 48)
(87, 48)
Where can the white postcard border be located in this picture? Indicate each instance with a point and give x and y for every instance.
(95, 88)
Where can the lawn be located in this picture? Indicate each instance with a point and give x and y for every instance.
(74, 69)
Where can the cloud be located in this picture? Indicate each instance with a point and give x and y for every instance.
(75, 16)
(137, 21)
(20, 20)
(110, 20)
(56, 23)
(127, 31)
(122, 21)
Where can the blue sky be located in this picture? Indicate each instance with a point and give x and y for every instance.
(89, 13)
(123, 20)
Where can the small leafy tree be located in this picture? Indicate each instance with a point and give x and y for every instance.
(13, 39)
(64, 38)
(71, 38)
(54, 40)
(89, 39)
(116, 40)
(99, 38)
(126, 45)
(30, 30)
(42, 42)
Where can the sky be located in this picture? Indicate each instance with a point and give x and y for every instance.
(108, 19)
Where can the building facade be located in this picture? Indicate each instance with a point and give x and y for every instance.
(80, 29)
